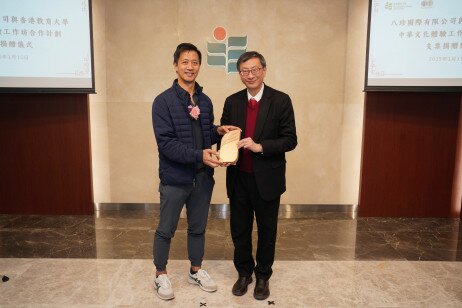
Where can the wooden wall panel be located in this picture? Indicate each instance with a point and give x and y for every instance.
(456, 202)
(409, 154)
(45, 162)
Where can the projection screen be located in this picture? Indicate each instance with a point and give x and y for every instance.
(414, 45)
(46, 46)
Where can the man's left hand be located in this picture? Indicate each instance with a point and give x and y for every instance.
(249, 144)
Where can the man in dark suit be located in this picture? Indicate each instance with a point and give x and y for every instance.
(256, 182)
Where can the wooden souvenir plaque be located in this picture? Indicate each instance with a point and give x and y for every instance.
(228, 151)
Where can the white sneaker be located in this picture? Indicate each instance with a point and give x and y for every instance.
(202, 279)
(164, 287)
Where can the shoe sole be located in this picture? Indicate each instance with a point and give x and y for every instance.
(192, 281)
(165, 298)
(260, 298)
(240, 294)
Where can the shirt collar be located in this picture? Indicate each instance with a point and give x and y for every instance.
(183, 93)
(259, 94)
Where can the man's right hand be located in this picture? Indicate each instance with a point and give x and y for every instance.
(210, 158)
(226, 128)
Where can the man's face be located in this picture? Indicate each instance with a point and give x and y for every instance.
(252, 74)
(188, 66)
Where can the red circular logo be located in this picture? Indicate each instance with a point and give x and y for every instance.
(219, 33)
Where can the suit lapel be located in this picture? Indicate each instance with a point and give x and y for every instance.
(263, 110)
(242, 111)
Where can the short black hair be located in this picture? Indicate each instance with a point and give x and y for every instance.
(185, 47)
(249, 55)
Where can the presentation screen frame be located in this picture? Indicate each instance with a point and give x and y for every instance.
(397, 88)
(88, 90)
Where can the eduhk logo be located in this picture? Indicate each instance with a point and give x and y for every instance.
(225, 50)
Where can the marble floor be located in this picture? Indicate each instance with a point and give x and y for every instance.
(322, 259)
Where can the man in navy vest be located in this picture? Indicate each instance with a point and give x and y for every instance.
(255, 184)
(182, 117)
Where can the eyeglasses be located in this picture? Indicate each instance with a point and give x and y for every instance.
(254, 70)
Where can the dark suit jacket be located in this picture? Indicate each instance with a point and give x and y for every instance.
(275, 131)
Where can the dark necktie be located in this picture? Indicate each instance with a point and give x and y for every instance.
(253, 103)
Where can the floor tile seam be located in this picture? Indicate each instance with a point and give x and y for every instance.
(52, 256)
(230, 260)
(66, 229)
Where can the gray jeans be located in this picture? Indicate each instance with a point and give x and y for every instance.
(172, 198)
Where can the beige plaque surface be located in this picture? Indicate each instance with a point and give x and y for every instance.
(228, 150)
